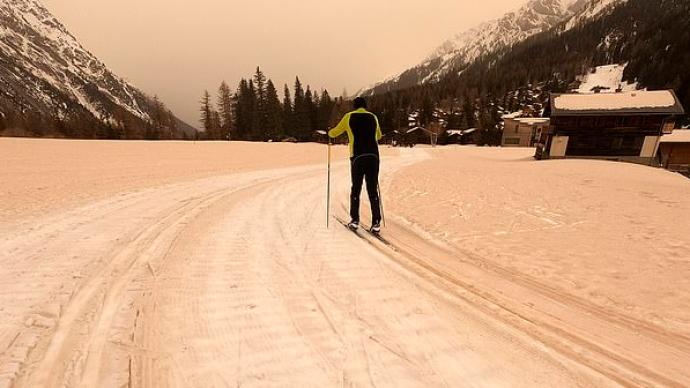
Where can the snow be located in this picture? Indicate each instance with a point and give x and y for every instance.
(513, 27)
(512, 115)
(533, 120)
(594, 9)
(615, 101)
(608, 77)
(170, 262)
(605, 234)
(677, 136)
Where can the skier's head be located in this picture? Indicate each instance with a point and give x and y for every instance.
(360, 102)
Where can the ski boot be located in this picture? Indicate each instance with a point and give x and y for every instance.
(353, 225)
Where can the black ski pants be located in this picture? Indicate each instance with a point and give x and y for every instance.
(365, 167)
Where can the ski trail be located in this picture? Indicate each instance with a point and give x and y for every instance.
(235, 281)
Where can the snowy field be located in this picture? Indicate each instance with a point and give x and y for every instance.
(209, 264)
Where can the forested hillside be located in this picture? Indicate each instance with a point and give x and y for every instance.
(651, 37)
(515, 26)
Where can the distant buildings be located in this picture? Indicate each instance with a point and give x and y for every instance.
(523, 132)
(674, 151)
(462, 136)
(625, 126)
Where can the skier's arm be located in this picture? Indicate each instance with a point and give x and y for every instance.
(341, 127)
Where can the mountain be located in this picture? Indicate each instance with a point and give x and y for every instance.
(48, 79)
(534, 17)
(606, 45)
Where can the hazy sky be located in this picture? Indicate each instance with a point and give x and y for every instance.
(176, 49)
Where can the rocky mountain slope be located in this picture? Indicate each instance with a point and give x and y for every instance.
(46, 74)
(455, 54)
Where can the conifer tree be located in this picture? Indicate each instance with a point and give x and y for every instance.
(207, 113)
(301, 112)
(310, 113)
(288, 116)
(225, 109)
(252, 112)
(260, 105)
(274, 120)
(325, 111)
(243, 110)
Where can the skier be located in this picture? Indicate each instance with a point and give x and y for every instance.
(363, 132)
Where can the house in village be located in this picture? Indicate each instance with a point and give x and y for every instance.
(625, 126)
(674, 151)
(523, 131)
(462, 136)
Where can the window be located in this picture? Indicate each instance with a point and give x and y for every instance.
(605, 145)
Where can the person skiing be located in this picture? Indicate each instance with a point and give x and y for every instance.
(363, 132)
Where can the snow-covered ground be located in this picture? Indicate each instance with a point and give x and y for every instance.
(209, 264)
(608, 77)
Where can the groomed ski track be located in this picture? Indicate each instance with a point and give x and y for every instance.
(235, 281)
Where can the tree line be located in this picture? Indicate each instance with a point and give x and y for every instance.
(255, 112)
(78, 123)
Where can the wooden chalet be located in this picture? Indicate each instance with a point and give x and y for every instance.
(674, 151)
(625, 126)
(523, 131)
(462, 136)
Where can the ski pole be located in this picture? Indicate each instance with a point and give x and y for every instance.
(383, 215)
(328, 190)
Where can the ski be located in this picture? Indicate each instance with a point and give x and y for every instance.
(382, 239)
(367, 231)
(355, 231)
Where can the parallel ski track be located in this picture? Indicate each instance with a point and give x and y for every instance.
(412, 255)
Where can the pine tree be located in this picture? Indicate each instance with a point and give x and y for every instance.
(246, 119)
(288, 115)
(301, 112)
(225, 109)
(310, 113)
(325, 111)
(260, 107)
(252, 112)
(274, 119)
(207, 113)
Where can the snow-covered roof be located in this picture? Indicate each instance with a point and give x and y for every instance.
(511, 115)
(678, 136)
(639, 102)
(461, 132)
(533, 120)
(632, 102)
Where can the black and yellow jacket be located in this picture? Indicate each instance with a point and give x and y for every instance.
(363, 132)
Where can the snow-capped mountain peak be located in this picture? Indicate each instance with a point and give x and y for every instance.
(43, 68)
(533, 17)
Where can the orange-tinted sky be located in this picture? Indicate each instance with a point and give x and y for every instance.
(176, 48)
